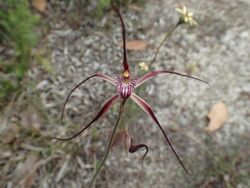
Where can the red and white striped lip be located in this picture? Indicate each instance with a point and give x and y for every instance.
(124, 88)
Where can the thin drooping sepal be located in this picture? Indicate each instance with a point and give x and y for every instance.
(152, 74)
(104, 109)
(125, 61)
(109, 145)
(98, 75)
(146, 107)
(135, 147)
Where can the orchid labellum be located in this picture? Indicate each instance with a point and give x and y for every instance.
(126, 86)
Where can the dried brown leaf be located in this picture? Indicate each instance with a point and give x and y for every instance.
(30, 119)
(39, 5)
(27, 181)
(217, 116)
(25, 172)
(136, 45)
(135, 8)
(9, 136)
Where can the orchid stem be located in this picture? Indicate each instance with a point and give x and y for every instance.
(162, 42)
(109, 145)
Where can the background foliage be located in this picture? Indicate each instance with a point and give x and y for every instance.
(17, 32)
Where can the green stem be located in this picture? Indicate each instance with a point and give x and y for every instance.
(164, 40)
(109, 145)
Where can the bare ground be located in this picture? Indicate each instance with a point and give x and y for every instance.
(217, 51)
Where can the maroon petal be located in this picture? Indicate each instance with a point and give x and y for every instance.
(125, 61)
(98, 75)
(134, 147)
(146, 107)
(104, 109)
(152, 74)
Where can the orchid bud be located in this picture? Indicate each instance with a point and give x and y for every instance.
(127, 141)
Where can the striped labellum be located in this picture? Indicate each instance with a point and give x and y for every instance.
(124, 87)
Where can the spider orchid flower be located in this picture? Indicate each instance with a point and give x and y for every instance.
(126, 86)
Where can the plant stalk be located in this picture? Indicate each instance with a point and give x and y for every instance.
(109, 145)
(162, 42)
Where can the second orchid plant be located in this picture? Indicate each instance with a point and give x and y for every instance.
(126, 86)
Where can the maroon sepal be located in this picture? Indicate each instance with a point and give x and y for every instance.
(98, 75)
(104, 109)
(146, 107)
(125, 61)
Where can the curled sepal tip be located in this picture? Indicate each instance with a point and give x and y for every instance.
(135, 147)
(146, 107)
